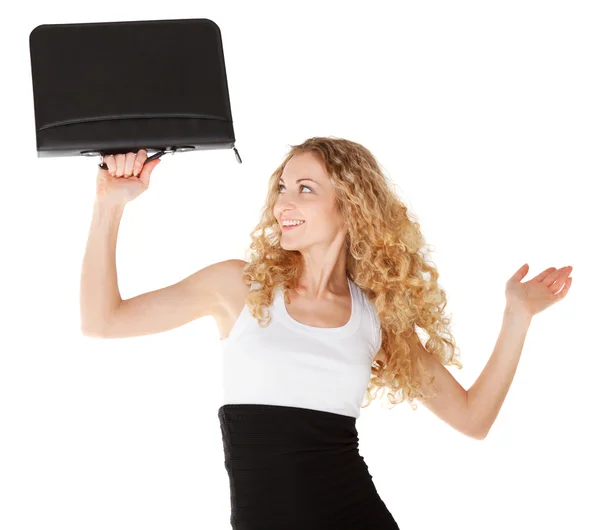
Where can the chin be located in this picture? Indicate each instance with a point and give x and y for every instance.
(287, 246)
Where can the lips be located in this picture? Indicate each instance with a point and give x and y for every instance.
(289, 227)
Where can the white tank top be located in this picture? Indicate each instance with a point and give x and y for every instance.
(292, 364)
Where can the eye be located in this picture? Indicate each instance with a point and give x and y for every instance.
(301, 185)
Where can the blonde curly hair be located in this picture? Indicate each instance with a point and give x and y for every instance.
(386, 261)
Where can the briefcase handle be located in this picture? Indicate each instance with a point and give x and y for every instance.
(158, 154)
(103, 165)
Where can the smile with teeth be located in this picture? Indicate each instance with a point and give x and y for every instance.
(288, 225)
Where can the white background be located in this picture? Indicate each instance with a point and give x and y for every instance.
(486, 117)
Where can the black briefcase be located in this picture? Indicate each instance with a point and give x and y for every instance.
(117, 87)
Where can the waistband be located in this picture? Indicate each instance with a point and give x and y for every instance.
(275, 432)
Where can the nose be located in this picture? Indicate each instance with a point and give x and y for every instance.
(286, 206)
(286, 202)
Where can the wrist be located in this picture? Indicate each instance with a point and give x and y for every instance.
(109, 204)
(516, 311)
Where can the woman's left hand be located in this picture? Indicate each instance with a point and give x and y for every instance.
(538, 293)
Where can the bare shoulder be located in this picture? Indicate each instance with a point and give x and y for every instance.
(232, 286)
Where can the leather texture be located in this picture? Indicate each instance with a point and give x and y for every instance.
(116, 87)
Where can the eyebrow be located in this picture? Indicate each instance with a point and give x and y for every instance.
(300, 180)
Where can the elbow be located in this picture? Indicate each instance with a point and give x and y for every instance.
(478, 427)
(91, 331)
(95, 327)
(478, 430)
(479, 434)
(88, 333)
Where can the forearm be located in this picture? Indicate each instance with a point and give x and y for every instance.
(486, 395)
(99, 286)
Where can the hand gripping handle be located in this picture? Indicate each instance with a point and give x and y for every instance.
(102, 165)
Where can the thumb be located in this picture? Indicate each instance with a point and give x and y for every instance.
(147, 171)
(520, 274)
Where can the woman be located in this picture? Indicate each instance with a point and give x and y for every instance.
(323, 314)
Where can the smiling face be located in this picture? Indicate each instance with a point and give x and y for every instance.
(306, 194)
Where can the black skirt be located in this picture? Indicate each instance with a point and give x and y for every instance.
(295, 468)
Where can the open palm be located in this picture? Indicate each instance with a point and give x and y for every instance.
(540, 292)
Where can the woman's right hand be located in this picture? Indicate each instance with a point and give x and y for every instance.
(127, 177)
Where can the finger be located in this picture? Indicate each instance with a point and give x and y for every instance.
(558, 285)
(120, 161)
(129, 160)
(564, 276)
(109, 160)
(147, 170)
(552, 276)
(565, 290)
(140, 158)
(544, 274)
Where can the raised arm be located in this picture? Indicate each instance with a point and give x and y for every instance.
(105, 314)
